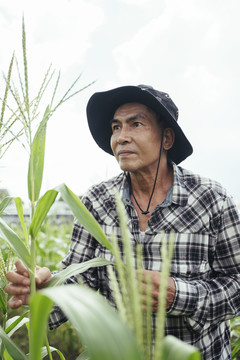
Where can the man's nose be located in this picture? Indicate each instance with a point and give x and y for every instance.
(124, 135)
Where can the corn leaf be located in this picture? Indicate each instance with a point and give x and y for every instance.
(83, 216)
(15, 323)
(235, 351)
(14, 351)
(7, 234)
(6, 356)
(40, 307)
(44, 352)
(41, 211)
(97, 323)
(19, 206)
(175, 349)
(76, 269)
(4, 203)
(36, 160)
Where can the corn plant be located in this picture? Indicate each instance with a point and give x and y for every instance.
(101, 329)
(8, 129)
(25, 115)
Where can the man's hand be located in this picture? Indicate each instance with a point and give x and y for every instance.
(155, 279)
(20, 283)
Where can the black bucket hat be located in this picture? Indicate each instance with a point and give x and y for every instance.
(102, 106)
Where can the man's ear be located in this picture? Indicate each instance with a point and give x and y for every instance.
(168, 138)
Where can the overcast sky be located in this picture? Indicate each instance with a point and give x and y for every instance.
(188, 48)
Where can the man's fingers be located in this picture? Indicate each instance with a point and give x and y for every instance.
(17, 301)
(13, 289)
(19, 285)
(17, 278)
(43, 276)
(20, 276)
(21, 268)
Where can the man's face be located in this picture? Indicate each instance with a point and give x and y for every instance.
(136, 138)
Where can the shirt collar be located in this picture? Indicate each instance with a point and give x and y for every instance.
(126, 191)
(180, 194)
(177, 193)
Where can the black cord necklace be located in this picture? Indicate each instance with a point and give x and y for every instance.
(145, 212)
(142, 211)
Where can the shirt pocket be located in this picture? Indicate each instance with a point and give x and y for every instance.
(191, 256)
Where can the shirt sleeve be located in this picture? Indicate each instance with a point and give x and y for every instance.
(207, 302)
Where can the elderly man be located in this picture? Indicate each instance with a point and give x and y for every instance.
(138, 125)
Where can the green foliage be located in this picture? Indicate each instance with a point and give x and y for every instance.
(4, 203)
(65, 339)
(41, 211)
(174, 348)
(36, 160)
(19, 207)
(12, 349)
(16, 322)
(82, 215)
(40, 308)
(105, 336)
(19, 247)
(26, 113)
(76, 269)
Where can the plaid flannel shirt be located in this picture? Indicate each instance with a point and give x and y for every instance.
(205, 264)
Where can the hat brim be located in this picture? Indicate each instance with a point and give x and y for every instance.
(102, 106)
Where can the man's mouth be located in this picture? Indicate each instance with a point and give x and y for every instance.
(123, 153)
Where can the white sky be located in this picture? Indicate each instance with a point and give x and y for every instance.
(188, 48)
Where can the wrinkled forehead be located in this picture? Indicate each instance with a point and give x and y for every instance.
(131, 107)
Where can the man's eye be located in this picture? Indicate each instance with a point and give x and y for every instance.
(137, 123)
(115, 127)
